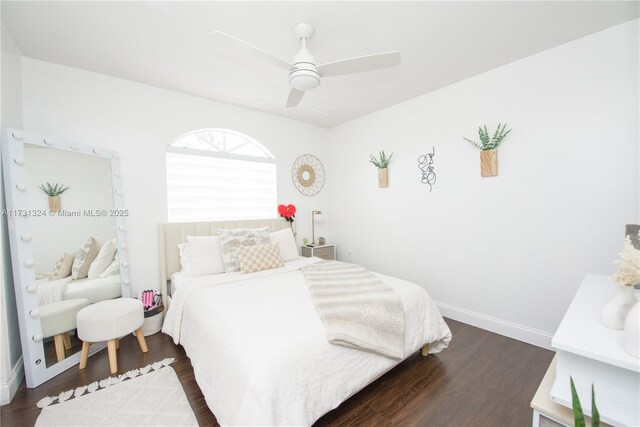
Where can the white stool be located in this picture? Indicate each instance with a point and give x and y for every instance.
(57, 319)
(108, 321)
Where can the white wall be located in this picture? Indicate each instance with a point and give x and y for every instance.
(138, 121)
(11, 372)
(516, 246)
(89, 182)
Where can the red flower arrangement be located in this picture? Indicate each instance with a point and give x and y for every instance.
(287, 212)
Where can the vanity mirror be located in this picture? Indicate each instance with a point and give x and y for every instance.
(67, 239)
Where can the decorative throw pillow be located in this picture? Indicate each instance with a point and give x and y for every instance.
(230, 240)
(259, 257)
(113, 268)
(288, 246)
(103, 259)
(84, 258)
(62, 268)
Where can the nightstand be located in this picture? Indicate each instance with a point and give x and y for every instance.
(327, 252)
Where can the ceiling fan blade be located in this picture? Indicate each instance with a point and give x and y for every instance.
(294, 97)
(256, 51)
(360, 64)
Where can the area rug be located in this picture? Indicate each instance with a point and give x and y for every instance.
(149, 396)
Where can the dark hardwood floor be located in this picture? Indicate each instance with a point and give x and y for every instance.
(482, 379)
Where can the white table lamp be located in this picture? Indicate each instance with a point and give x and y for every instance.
(313, 226)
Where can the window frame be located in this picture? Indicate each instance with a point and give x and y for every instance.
(268, 158)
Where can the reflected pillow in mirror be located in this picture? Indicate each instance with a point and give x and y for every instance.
(114, 268)
(230, 240)
(62, 268)
(103, 259)
(84, 258)
(288, 246)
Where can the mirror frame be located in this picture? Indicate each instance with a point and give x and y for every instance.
(13, 164)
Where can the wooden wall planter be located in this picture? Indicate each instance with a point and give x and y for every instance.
(54, 203)
(489, 162)
(383, 178)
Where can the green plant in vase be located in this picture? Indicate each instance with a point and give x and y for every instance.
(54, 192)
(382, 163)
(487, 146)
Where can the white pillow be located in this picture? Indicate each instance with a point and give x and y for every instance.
(201, 255)
(184, 258)
(288, 246)
(114, 268)
(104, 258)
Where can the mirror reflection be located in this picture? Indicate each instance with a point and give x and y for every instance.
(73, 239)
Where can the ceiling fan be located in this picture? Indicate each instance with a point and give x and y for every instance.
(304, 74)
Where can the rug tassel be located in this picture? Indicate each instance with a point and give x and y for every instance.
(45, 401)
(65, 395)
(80, 391)
(109, 381)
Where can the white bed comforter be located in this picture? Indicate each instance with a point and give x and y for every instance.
(50, 291)
(260, 352)
(95, 290)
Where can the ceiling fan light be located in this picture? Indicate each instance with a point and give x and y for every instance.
(304, 79)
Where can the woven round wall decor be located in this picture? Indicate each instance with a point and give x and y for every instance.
(308, 174)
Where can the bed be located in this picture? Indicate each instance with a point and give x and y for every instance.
(95, 290)
(259, 349)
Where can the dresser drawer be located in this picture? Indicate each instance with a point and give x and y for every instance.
(325, 253)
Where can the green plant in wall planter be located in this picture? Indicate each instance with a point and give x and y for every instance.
(487, 146)
(54, 192)
(382, 163)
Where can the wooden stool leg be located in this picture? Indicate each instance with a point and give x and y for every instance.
(141, 340)
(113, 358)
(59, 343)
(85, 354)
(425, 350)
(117, 343)
(67, 341)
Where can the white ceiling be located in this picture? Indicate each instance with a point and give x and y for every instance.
(169, 44)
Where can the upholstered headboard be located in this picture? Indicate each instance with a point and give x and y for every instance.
(171, 234)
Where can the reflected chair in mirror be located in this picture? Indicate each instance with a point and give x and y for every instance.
(58, 319)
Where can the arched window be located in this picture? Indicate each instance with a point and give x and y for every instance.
(220, 174)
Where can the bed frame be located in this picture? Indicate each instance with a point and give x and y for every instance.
(171, 234)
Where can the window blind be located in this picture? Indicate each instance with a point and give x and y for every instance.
(208, 188)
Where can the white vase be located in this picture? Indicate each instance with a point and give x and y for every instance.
(632, 329)
(615, 312)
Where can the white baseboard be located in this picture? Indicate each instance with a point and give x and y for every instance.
(9, 388)
(499, 326)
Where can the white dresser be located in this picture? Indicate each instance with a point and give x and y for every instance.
(592, 353)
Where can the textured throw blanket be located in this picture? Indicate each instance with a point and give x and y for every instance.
(358, 309)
